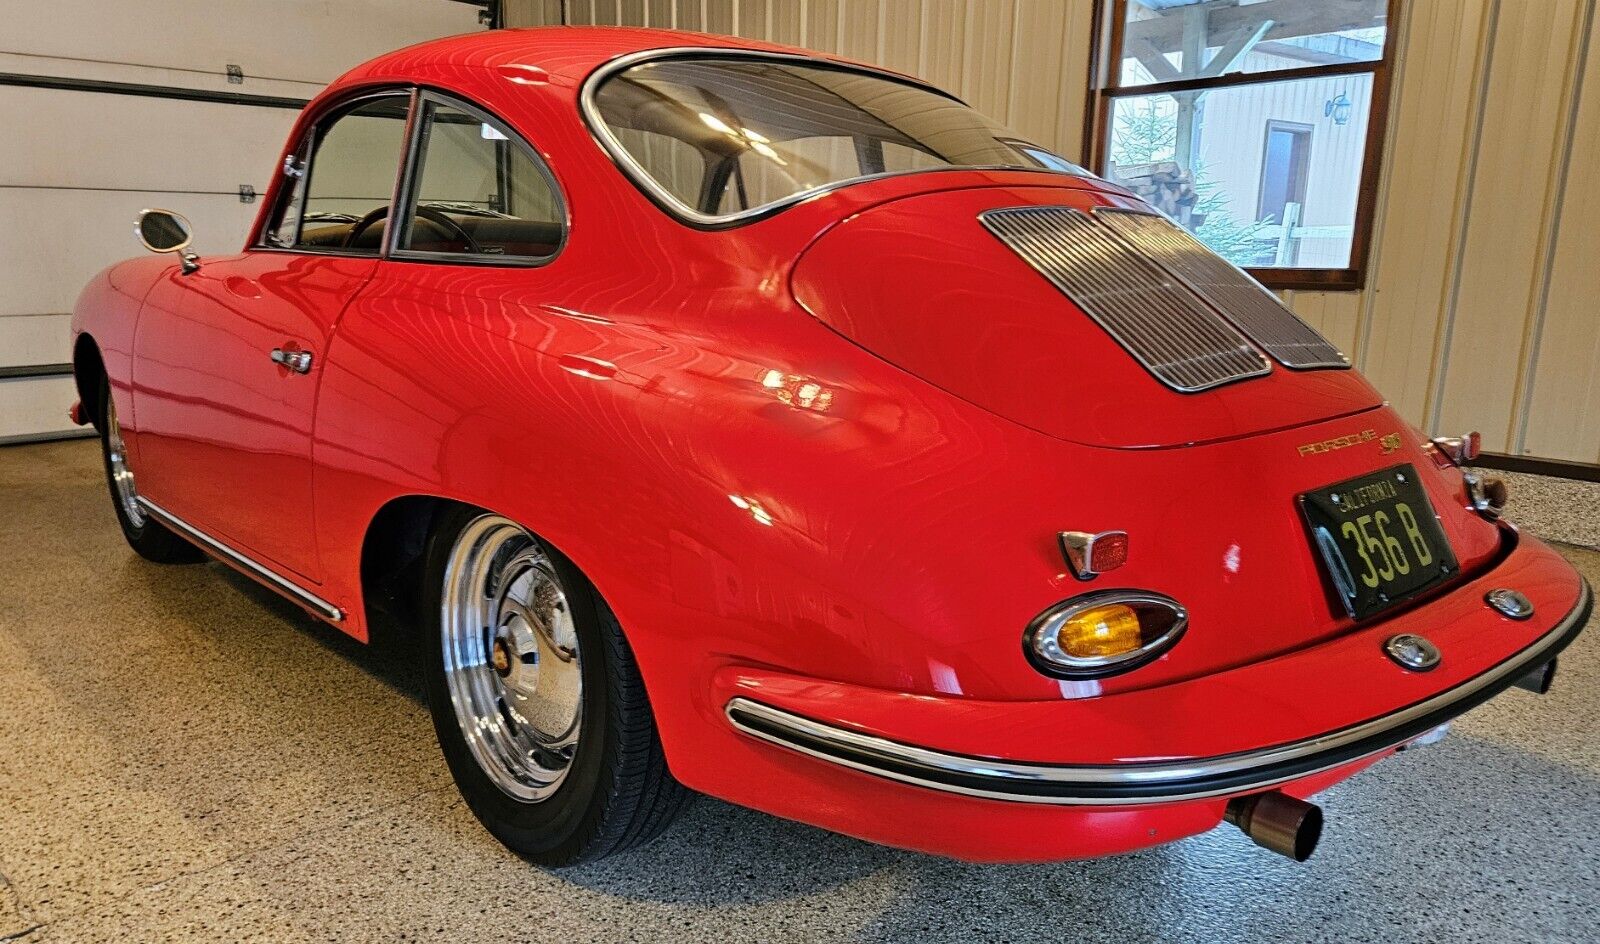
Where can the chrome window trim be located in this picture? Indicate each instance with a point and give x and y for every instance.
(1143, 783)
(404, 181)
(272, 579)
(668, 201)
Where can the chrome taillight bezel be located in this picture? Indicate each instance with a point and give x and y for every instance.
(1039, 641)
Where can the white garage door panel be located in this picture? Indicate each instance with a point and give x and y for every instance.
(30, 340)
(64, 138)
(145, 75)
(54, 241)
(31, 406)
(309, 40)
(77, 165)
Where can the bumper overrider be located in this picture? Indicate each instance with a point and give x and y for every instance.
(1145, 783)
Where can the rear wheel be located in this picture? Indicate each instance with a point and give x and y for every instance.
(536, 699)
(150, 538)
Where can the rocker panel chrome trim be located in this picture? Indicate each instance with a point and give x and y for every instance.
(212, 546)
(1142, 784)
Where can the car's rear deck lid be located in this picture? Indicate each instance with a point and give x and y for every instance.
(1076, 313)
(1167, 328)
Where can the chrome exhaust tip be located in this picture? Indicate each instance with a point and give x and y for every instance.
(1278, 822)
(1540, 679)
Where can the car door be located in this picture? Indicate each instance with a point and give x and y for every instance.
(472, 277)
(229, 357)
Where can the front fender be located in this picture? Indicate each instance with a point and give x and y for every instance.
(107, 312)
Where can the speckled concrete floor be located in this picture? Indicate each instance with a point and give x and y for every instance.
(185, 758)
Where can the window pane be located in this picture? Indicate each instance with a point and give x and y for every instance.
(1168, 40)
(792, 166)
(780, 129)
(1267, 175)
(1049, 159)
(351, 174)
(672, 161)
(479, 191)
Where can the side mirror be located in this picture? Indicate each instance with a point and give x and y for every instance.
(166, 231)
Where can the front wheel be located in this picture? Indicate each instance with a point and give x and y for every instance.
(536, 699)
(150, 538)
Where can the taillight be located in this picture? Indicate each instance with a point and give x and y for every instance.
(1458, 449)
(1104, 633)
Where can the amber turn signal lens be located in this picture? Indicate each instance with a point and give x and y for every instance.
(1103, 633)
(1108, 630)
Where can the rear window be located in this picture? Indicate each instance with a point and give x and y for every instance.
(720, 138)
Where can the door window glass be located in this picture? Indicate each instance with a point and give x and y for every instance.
(341, 199)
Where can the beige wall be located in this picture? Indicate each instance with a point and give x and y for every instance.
(1482, 308)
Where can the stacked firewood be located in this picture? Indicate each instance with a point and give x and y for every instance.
(1165, 186)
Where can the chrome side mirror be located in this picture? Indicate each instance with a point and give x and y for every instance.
(166, 231)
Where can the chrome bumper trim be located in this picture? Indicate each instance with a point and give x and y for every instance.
(1144, 783)
(211, 545)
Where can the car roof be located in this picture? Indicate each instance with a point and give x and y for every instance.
(567, 54)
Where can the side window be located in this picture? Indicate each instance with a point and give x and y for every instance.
(343, 194)
(479, 191)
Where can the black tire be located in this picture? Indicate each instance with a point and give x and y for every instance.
(149, 538)
(617, 792)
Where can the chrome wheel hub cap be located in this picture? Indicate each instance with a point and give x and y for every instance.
(121, 475)
(511, 657)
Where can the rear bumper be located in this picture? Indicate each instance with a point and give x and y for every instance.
(1094, 774)
(1148, 783)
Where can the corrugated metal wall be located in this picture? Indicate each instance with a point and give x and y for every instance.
(1484, 285)
(1479, 276)
(1022, 61)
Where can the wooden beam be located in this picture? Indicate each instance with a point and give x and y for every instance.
(1291, 18)
(1235, 49)
(1160, 67)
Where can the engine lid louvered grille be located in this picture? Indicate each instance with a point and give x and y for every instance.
(1237, 296)
(1166, 327)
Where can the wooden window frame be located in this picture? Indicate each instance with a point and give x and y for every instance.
(1105, 89)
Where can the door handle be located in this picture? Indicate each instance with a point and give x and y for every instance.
(297, 361)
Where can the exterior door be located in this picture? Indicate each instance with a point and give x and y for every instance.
(230, 356)
(1284, 170)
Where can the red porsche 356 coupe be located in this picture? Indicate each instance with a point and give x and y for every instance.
(729, 418)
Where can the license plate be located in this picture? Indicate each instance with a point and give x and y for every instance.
(1378, 539)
